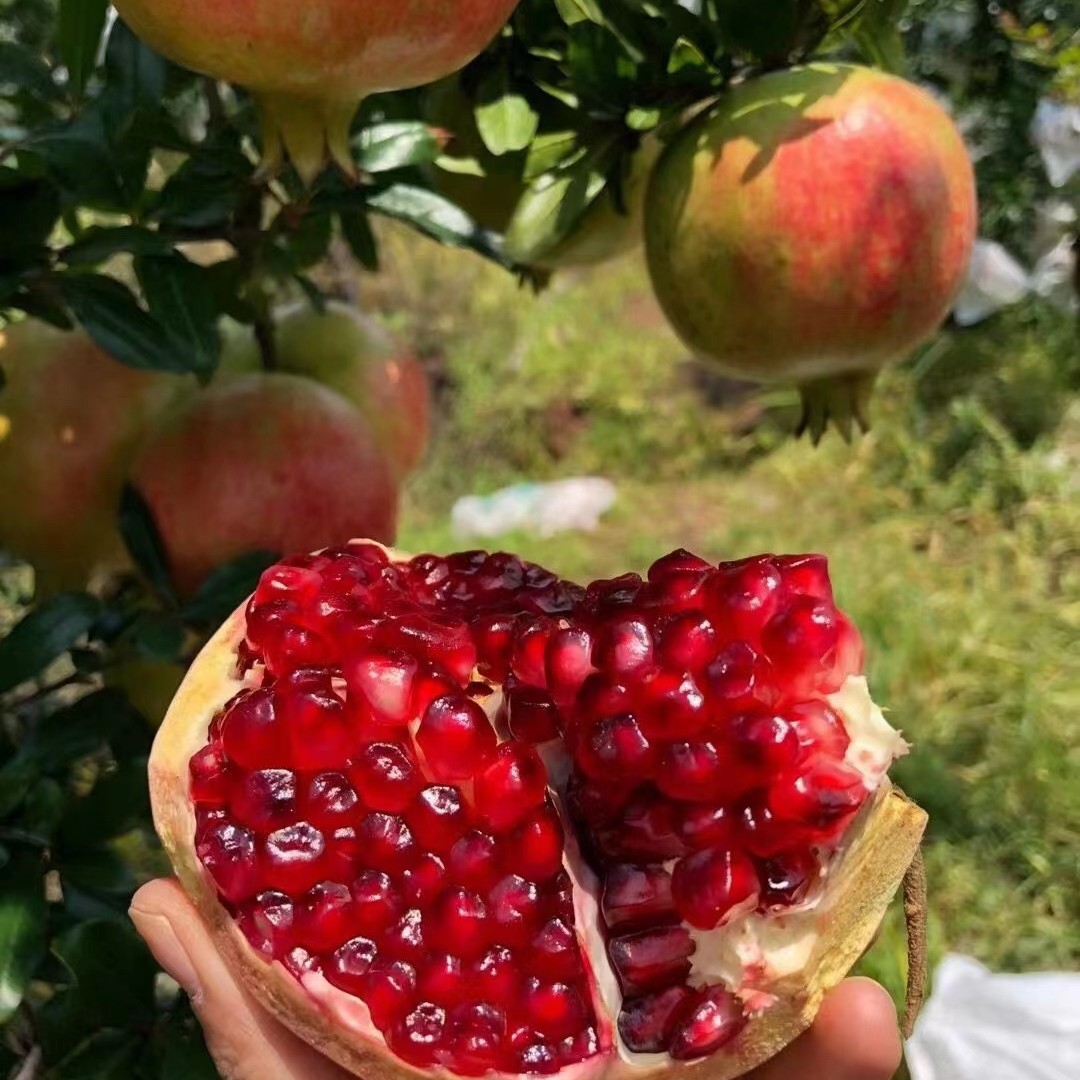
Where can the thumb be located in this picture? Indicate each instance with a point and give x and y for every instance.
(245, 1042)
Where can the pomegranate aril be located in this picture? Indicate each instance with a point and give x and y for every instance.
(473, 861)
(455, 737)
(742, 597)
(676, 563)
(347, 967)
(850, 655)
(568, 662)
(267, 923)
(648, 959)
(822, 797)
(324, 917)
(443, 639)
(671, 704)
(645, 832)
(757, 828)
(612, 594)
(529, 648)
(388, 987)
(712, 1023)
(601, 695)
(479, 1029)
(284, 582)
(251, 735)
(540, 1058)
(385, 776)
(423, 881)
(554, 1009)
(554, 952)
(441, 977)
(787, 878)
(419, 1035)
(493, 635)
(818, 728)
(266, 621)
(380, 686)
(330, 802)
(459, 923)
(227, 851)
(740, 678)
(710, 886)
(513, 906)
(376, 902)
(292, 858)
(511, 787)
(766, 743)
(623, 646)
(691, 772)
(295, 647)
(209, 777)
(688, 642)
(703, 825)
(646, 1023)
(496, 975)
(314, 717)
(536, 846)
(386, 842)
(801, 642)
(431, 682)
(636, 895)
(805, 575)
(405, 939)
(616, 745)
(265, 799)
(531, 714)
(437, 817)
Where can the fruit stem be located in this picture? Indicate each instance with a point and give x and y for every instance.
(266, 339)
(915, 919)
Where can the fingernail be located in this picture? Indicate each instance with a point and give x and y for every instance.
(166, 947)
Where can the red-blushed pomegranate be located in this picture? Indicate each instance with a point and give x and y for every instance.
(813, 226)
(217, 471)
(454, 812)
(352, 353)
(64, 449)
(309, 62)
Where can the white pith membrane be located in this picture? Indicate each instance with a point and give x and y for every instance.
(763, 957)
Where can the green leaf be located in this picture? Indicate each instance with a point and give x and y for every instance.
(44, 634)
(28, 213)
(158, 635)
(100, 242)
(118, 803)
(184, 1054)
(309, 240)
(44, 808)
(550, 210)
(877, 34)
(110, 314)
(394, 145)
(550, 150)
(16, 778)
(79, 36)
(80, 729)
(23, 69)
(356, 229)
(505, 119)
(144, 543)
(106, 1055)
(573, 12)
(23, 938)
(98, 871)
(137, 76)
(180, 297)
(207, 189)
(227, 587)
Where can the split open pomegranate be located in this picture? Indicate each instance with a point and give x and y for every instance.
(457, 813)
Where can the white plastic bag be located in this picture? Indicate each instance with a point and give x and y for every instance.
(995, 279)
(1054, 276)
(545, 509)
(978, 1025)
(1055, 130)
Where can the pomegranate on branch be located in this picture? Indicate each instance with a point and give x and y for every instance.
(457, 814)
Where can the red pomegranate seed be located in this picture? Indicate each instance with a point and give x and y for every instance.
(757, 828)
(636, 895)
(324, 917)
(647, 1023)
(801, 642)
(459, 923)
(691, 772)
(850, 655)
(531, 635)
(284, 582)
(381, 685)
(386, 842)
(493, 634)
(423, 881)
(823, 797)
(251, 735)
(291, 859)
(531, 714)
(805, 575)
(554, 1009)
(209, 777)
(266, 622)
(431, 682)
(376, 902)
(419, 1036)
(441, 638)
(442, 978)
(553, 952)
(314, 717)
(567, 661)
(295, 647)
(623, 646)
(329, 801)
(540, 1058)
(455, 737)
(437, 817)
(709, 885)
(787, 877)
(575, 1048)
(672, 705)
(616, 746)
(267, 923)
(513, 906)
(649, 959)
(818, 728)
(740, 678)
(473, 861)
(511, 787)
(385, 777)
(711, 1024)
(613, 594)
(264, 799)
(743, 596)
(688, 642)
(479, 1031)
(766, 743)
(536, 846)
(405, 939)
(388, 988)
(703, 825)
(496, 975)
(677, 562)
(645, 832)
(349, 964)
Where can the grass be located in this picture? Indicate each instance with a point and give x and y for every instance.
(953, 531)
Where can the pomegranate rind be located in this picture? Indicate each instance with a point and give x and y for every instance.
(862, 882)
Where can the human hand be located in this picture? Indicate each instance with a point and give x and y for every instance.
(855, 1035)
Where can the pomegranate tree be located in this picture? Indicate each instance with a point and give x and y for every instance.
(309, 62)
(456, 812)
(216, 472)
(813, 226)
(64, 449)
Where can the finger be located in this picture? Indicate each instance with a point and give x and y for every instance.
(855, 1037)
(245, 1042)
